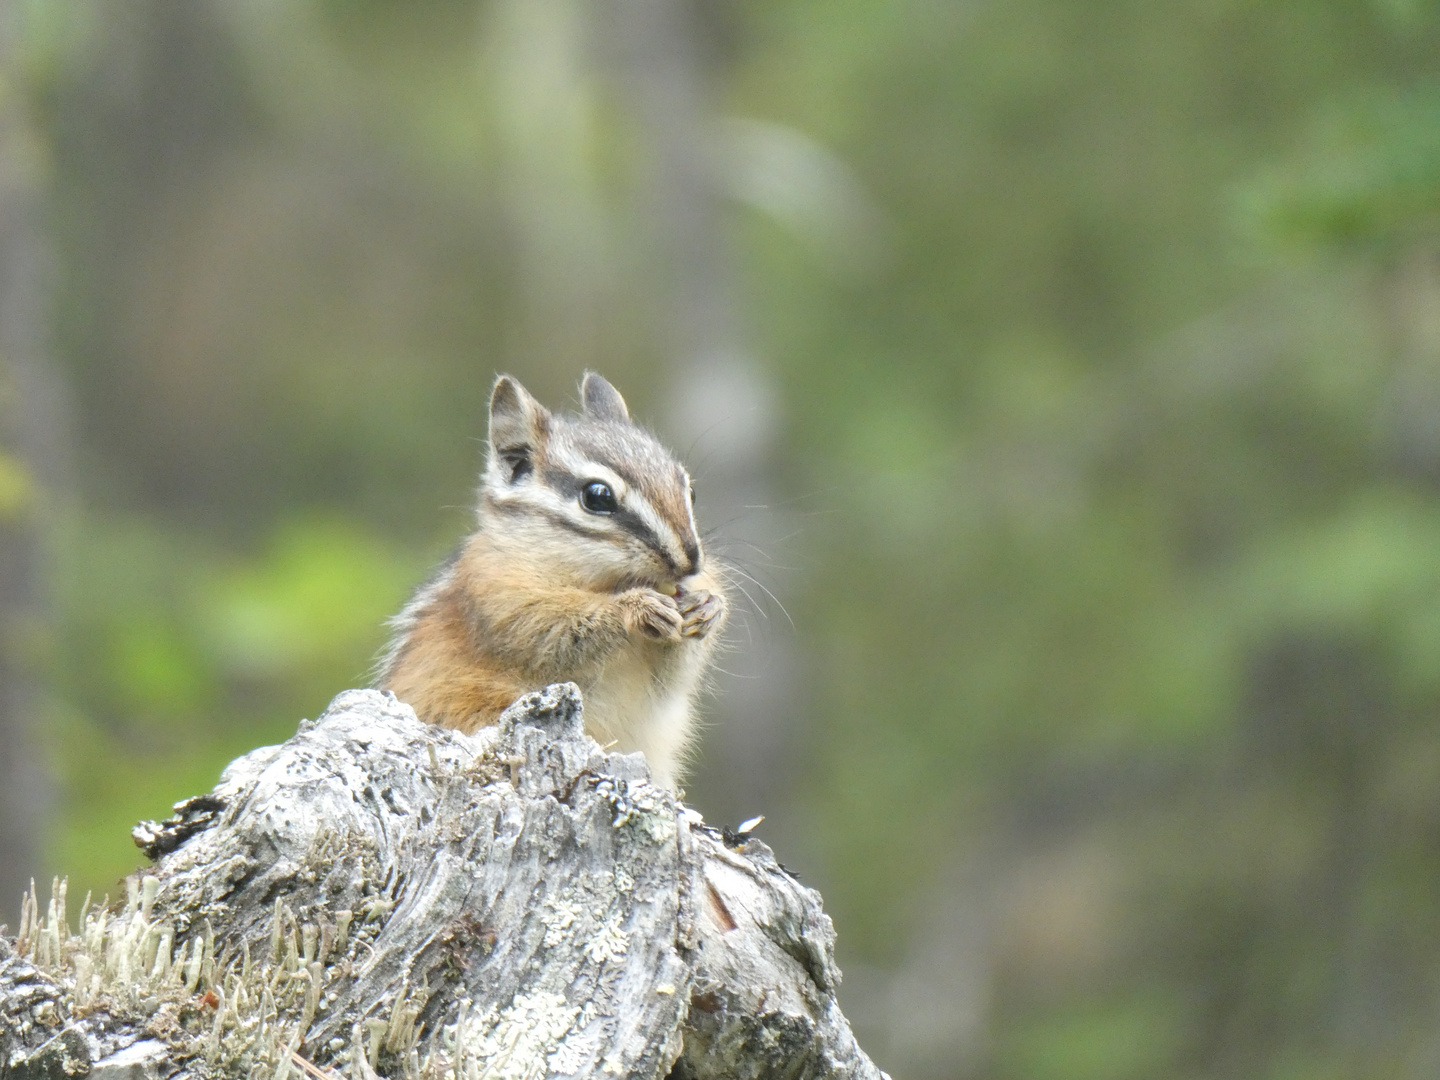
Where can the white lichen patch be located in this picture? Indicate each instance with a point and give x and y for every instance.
(608, 943)
(659, 826)
(572, 1055)
(514, 1044)
(561, 915)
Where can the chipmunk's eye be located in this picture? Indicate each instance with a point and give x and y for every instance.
(692, 494)
(598, 498)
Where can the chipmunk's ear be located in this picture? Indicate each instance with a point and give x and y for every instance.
(518, 426)
(602, 401)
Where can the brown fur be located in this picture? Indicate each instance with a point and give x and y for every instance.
(529, 601)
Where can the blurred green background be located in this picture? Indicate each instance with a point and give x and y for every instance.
(1068, 369)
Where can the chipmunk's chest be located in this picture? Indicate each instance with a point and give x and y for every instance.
(641, 701)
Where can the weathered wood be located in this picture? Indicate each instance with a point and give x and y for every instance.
(378, 896)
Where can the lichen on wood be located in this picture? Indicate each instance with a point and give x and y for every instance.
(381, 897)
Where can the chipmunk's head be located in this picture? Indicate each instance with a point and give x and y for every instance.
(593, 496)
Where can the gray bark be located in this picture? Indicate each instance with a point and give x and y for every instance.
(382, 897)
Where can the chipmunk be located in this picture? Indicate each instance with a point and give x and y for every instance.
(585, 566)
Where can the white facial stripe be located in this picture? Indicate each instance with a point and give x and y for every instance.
(562, 457)
(584, 469)
(690, 507)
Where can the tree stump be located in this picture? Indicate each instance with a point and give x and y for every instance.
(381, 897)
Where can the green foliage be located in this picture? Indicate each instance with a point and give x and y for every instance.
(179, 656)
(1368, 177)
(17, 489)
(1101, 1041)
(1116, 544)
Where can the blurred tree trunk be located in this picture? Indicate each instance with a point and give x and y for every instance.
(32, 450)
(666, 52)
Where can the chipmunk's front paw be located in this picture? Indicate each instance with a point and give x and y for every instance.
(702, 612)
(651, 613)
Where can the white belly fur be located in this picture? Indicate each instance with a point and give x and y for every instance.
(641, 704)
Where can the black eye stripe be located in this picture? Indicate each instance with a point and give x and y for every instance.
(637, 528)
